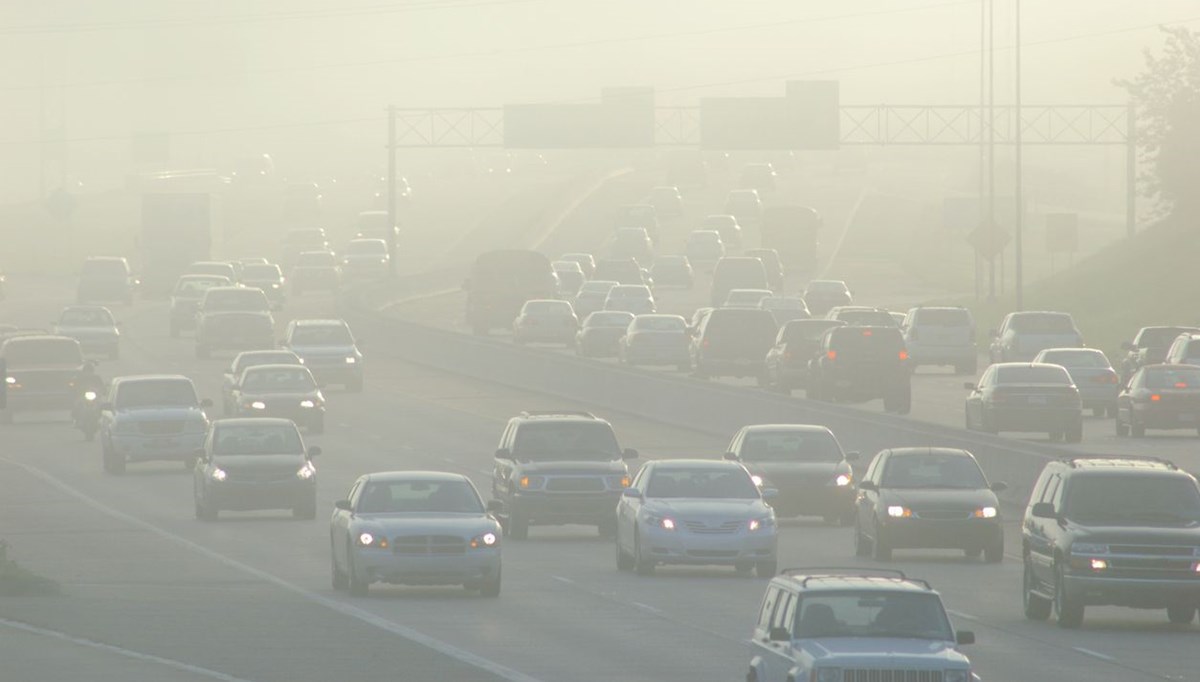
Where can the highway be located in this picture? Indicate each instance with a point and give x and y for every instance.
(249, 598)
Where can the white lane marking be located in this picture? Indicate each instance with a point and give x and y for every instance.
(960, 614)
(562, 579)
(127, 653)
(646, 607)
(1094, 654)
(343, 608)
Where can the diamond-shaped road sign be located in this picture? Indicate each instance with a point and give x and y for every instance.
(989, 243)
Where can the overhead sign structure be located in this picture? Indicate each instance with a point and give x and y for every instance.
(624, 118)
(806, 118)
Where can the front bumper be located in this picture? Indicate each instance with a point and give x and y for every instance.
(383, 565)
(1044, 418)
(168, 447)
(253, 495)
(684, 547)
(965, 533)
(1167, 418)
(542, 508)
(21, 399)
(1143, 593)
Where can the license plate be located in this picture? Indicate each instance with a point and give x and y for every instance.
(1037, 400)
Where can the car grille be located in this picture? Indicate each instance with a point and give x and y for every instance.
(712, 553)
(942, 513)
(1152, 561)
(267, 476)
(575, 484)
(44, 380)
(890, 675)
(1154, 550)
(161, 427)
(429, 544)
(706, 529)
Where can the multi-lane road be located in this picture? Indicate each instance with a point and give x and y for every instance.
(149, 593)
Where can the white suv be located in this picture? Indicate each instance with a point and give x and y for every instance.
(822, 625)
(941, 336)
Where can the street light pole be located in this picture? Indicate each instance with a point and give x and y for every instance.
(1018, 210)
(991, 146)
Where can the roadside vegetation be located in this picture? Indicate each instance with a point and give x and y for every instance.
(15, 580)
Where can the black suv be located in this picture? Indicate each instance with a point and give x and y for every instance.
(1112, 531)
(857, 364)
(1149, 347)
(734, 342)
(555, 468)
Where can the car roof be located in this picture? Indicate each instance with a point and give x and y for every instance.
(788, 428)
(715, 464)
(1119, 462)
(1026, 364)
(329, 322)
(817, 579)
(134, 378)
(41, 337)
(104, 258)
(274, 365)
(911, 451)
(557, 416)
(393, 476)
(86, 307)
(253, 421)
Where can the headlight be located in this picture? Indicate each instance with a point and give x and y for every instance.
(530, 482)
(618, 482)
(897, 512)
(985, 513)
(89, 395)
(256, 405)
(10, 380)
(486, 540)
(843, 480)
(662, 522)
(366, 539)
(306, 472)
(957, 676)
(758, 480)
(218, 474)
(764, 522)
(829, 675)
(1088, 548)
(275, 286)
(351, 360)
(307, 403)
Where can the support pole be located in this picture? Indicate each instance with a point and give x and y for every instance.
(391, 190)
(991, 144)
(982, 149)
(1130, 169)
(1018, 210)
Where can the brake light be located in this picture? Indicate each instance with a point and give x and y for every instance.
(1181, 384)
(868, 332)
(903, 355)
(832, 355)
(1155, 398)
(704, 343)
(787, 355)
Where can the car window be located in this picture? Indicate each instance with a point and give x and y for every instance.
(278, 379)
(790, 446)
(659, 324)
(1050, 492)
(942, 317)
(785, 612)
(86, 317)
(242, 362)
(932, 470)
(257, 439)
(1133, 500)
(403, 497)
(608, 319)
(1024, 374)
(42, 351)
(768, 607)
(155, 393)
(260, 272)
(321, 335)
(872, 614)
(197, 286)
(323, 259)
(1042, 323)
(236, 299)
(1172, 378)
(567, 440)
(547, 308)
(709, 483)
(1076, 359)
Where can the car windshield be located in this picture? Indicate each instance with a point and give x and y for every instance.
(417, 497)
(86, 317)
(629, 291)
(1042, 323)
(932, 470)
(236, 300)
(105, 269)
(609, 319)
(322, 335)
(194, 286)
(1133, 500)
(278, 379)
(260, 273)
(1082, 359)
(942, 317)
(242, 362)
(318, 259)
(659, 324)
(727, 483)
(790, 446)
(1159, 337)
(257, 439)
(366, 247)
(867, 317)
(155, 393)
(826, 287)
(1174, 377)
(1025, 374)
(571, 440)
(872, 614)
(42, 351)
(547, 308)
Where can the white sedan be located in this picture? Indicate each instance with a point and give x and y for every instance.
(415, 528)
(698, 512)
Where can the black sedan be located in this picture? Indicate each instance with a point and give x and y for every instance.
(601, 332)
(928, 497)
(1159, 397)
(287, 391)
(805, 463)
(251, 464)
(1023, 396)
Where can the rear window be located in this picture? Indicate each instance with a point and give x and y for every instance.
(594, 287)
(790, 446)
(1159, 337)
(866, 339)
(196, 286)
(548, 308)
(86, 317)
(866, 317)
(1081, 359)
(236, 299)
(1043, 323)
(1193, 349)
(1032, 375)
(1173, 378)
(321, 335)
(659, 324)
(826, 287)
(608, 319)
(260, 272)
(629, 291)
(317, 259)
(105, 269)
(748, 323)
(808, 330)
(41, 351)
(747, 268)
(942, 317)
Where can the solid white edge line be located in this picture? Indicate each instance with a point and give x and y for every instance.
(1094, 654)
(363, 615)
(646, 607)
(112, 649)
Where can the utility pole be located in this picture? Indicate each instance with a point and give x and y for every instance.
(391, 190)
(1019, 208)
(1130, 169)
(991, 146)
(982, 149)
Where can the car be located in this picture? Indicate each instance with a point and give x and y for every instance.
(185, 299)
(40, 373)
(1024, 396)
(758, 176)
(744, 205)
(704, 247)
(734, 342)
(1022, 335)
(3, 284)
(696, 512)
(804, 462)
(1149, 347)
(928, 497)
(941, 335)
(672, 271)
(328, 349)
(302, 240)
(241, 362)
(667, 201)
(365, 259)
(256, 463)
(570, 278)
(862, 315)
(855, 625)
(557, 468)
(737, 272)
(234, 318)
(585, 260)
(727, 228)
(265, 276)
(1111, 531)
(1184, 350)
(600, 333)
(631, 298)
(501, 282)
(771, 264)
(656, 340)
(785, 308)
(823, 294)
(545, 321)
(93, 326)
(287, 391)
(315, 271)
(152, 417)
(1159, 397)
(377, 225)
(591, 297)
(105, 279)
(746, 298)
(644, 216)
(1092, 374)
(415, 528)
(856, 363)
(623, 271)
(796, 343)
(632, 242)
(213, 268)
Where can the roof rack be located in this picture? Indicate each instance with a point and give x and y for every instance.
(1142, 459)
(811, 572)
(557, 413)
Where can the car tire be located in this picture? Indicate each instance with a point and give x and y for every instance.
(339, 580)
(1036, 606)
(1074, 434)
(1069, 611)
(1136, 430)
(1121, 427)
(994, 553)
(1181, 614)
(490, 589)
(518, 527)
(624, 561)
(880, 551)
(862, 548)
(766, 569)
(641, 565)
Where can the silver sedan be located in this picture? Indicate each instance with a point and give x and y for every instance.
(698, 512)
(415, 528)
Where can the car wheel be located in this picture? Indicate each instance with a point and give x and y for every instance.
(518, 527)
(358, 586)
(641, 564)
(1136, 430)
(1074, 434)
(766, 569)
(339, 579)
(880, 551)
(490, 588)
(1122, 427)
(994, 553)
(862, 547)
(1036, 606)
(1068, 610)
(1181, 614)
(624, 561)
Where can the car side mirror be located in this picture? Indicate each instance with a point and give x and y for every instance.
(779, 634)
(999, 487)
(629, 453)
(852, 456)
(343, 505)
(731, 456)
(868, 485)
(964, 637)
(314, 451)
(495, 506)
(1043, 510)
(970, 386)
(503, 453)
(633, 493)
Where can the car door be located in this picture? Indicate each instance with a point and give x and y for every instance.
(339, 530)
(1044, 532)
(503, 468)
(778, 655)
(868, 500)
(974, 402)
(627, 509)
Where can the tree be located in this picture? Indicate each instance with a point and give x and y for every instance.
(1167, 97)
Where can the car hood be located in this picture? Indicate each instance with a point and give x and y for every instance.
(703, 509)
(432, 523)
(614, 467)
(1144, 534)
(290, 462)
(939, 498)
(883, 652)
(158, 412)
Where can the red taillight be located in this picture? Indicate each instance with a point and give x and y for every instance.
(903, 355)
(787, 355)
(704, 343)
(868, 332)
(1155, 398)
(832, 354)
(1181, 384)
